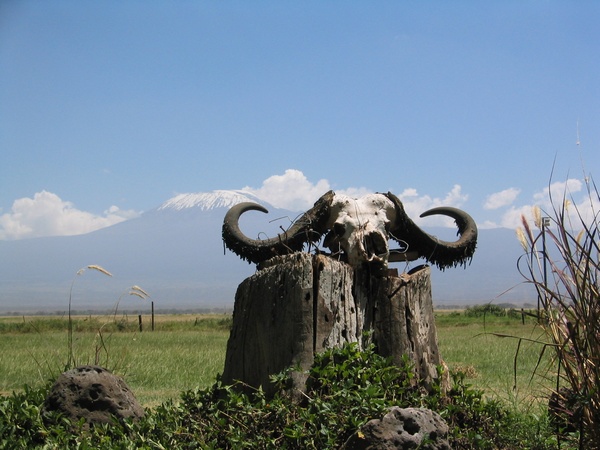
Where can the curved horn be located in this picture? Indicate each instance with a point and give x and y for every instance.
(441, 253)
(308, 228)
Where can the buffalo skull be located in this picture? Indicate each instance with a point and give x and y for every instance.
(357, 231)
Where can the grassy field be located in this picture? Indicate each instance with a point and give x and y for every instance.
(188, 351)
(469, 344)
(183, 352)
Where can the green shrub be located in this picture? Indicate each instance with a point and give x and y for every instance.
(483, 310)
(20, 424)
(346, 388)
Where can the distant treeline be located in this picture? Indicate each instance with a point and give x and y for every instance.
(504, 306)
(229, 310)
(92, 312)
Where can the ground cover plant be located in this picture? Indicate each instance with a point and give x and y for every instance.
(187, 408)
(348, 387)
(207, 412)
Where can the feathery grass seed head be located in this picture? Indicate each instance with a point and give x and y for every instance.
(138, 289)
(99, 269)
(137, 294)
(537, 216)
(521, 238)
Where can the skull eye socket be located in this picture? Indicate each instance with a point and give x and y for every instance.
(339, 229)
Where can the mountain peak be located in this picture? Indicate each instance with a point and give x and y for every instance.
(209, 200)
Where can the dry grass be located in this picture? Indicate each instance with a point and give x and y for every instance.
(562, 262)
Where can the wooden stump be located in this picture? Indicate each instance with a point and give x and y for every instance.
(301, 304)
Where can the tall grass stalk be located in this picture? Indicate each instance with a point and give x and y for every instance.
(101, 344)
(562, 264)
(71, 361)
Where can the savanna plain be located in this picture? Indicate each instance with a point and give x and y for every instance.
(499, 354)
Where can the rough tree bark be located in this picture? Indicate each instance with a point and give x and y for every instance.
(301, 304)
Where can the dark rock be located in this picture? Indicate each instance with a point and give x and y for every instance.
(92, 393)
(402, 428)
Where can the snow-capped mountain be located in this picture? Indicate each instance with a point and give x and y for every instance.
(209, 200)
(176, 254)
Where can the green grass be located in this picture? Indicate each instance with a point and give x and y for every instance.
(188, 351)
(468, 344)
(184, 352)
(162, 365)
(348, 388)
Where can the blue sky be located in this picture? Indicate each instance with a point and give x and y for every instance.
(108, 109)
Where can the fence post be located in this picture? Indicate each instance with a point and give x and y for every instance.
(152, 303)
(140, 321)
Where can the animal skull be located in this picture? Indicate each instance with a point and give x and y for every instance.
(357, 230)
(361, 228)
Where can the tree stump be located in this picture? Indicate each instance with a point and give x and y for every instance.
(298, 305)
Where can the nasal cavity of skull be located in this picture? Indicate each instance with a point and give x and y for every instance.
(374, 245)
(339, 229)
(333, 239)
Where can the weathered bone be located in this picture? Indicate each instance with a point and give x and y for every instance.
(358, 231)
(360, 228)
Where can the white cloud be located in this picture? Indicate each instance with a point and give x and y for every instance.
(455, 197)
(295, 192)
(551, 198)
(354, 192)
(556, 192)
(512, 217)
(292, 190)
(415, 205)
(502, 198)
(487, 224)
(46, 214)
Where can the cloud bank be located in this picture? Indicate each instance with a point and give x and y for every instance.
(46, 214)
(415, 204)
(295, 192)
(579, 203)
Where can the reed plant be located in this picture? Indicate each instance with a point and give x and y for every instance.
(102, 338)
(561, 262)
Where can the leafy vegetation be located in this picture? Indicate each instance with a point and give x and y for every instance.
(483, 310)
(346, 388)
